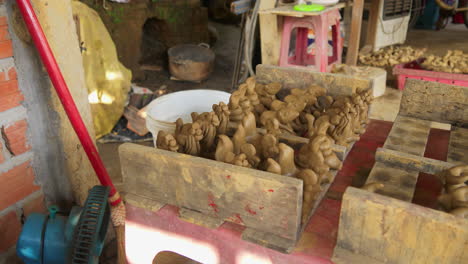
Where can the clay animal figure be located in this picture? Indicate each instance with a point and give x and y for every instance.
(455, 199)
(223, 147)
(286, 160)
(311, 190)
(251, 154)
(342, 127)
(188, 136)
(272, 166)
(239, 138)
(455, 177)
(267, 93)
(237, 112)
(223, 113)
(269, 146)
(166, 141)
(209, 123)
(250, 125)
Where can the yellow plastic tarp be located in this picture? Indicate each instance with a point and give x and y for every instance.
(108, 81)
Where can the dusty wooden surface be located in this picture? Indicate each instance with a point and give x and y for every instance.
(458, 146)
(378, 229)
(435, 101)
(408, 135)
(398, 183)
(336, 84)
(264, 201)
(407, 161)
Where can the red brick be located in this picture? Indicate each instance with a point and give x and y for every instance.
(35, 205)
(16, 184)
(3, 21)
(10, 228)
(10, 101)
(8, 87)
(6, 49)
(2, 77)
(4, 34)
(15, 137)
(12, 74)
(2, 158)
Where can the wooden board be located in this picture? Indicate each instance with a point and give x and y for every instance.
(378, 229)
(398, 183)
(407, 161)
(440, 102)
(288, 10)
(458, 146)
(336, 84)
(264, 201)
(408, 135)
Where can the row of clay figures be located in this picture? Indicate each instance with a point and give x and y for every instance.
(305, 112)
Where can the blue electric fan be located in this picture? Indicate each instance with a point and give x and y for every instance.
(76, 239)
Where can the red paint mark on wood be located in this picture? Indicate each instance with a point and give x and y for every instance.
(229, 176)
(271, 190)
(238, 219)
(262, 207)
(249, 210)
(211, 203)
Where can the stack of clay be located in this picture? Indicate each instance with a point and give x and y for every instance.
(455, 61)
(391, 56)
(455, 198)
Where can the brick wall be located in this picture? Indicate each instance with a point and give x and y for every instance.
(19, 195)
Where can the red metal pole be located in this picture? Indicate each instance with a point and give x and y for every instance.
(61, 87)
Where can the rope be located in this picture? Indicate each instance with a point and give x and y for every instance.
(118, 215)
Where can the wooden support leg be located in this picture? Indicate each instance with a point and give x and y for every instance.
(355, 33)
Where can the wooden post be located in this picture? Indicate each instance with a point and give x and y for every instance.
(373, 23)
(355, 33)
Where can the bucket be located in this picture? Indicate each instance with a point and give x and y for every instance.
(165, 110)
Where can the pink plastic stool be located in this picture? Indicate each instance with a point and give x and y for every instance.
(320, 24)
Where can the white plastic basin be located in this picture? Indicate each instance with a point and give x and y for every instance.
(165, 110)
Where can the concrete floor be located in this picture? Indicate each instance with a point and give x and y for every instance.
(384, 108)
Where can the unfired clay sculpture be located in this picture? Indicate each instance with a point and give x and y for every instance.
(311, 189)
(239, 138)
(188, 136)
(272, 166)
(166, 141)
(286, 160)
(224, 146)
(223, 113)
(209, 123)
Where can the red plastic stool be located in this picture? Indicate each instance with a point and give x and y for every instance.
(320, 24)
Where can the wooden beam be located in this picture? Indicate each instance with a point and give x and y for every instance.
(411, 162)
(215, 189)
(355, 33)
(398, 183)
(377, 229)
(458, 146)
(408, 135)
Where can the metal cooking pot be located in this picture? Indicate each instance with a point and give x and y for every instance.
(189, 62)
